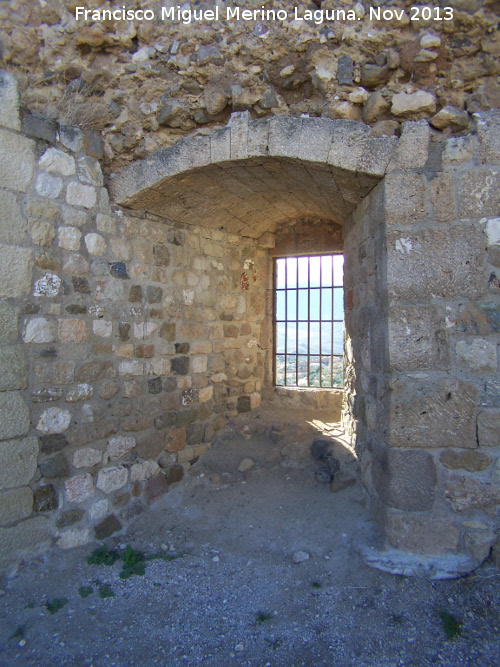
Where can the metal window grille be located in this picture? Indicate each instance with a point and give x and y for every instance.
(309, 321)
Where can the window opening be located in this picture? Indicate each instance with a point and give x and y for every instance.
(309, 321)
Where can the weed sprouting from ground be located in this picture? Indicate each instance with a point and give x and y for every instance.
(102, 556)
(55, 605)
(133, 563)
(316, 585)
(450, 624)
(85, 591)
(263, 616)
(105, 592)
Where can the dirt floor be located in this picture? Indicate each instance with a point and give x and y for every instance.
(224, 589)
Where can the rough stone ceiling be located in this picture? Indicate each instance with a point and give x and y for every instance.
(254, 196)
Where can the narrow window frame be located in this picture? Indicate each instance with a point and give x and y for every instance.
(314, 357)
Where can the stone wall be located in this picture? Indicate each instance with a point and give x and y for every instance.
(127, 342)
(132, 329)
(427, 423)
(146, 84)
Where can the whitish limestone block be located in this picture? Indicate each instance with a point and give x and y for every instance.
(144, 329)
(17, 161)
(54, 420)
(103, 328)
(493, 231)
(9, 102)
(142, 471)
(99, 510)
(39, 330)
(69, 238)
(86, 457)
(82, 392)
(15, 271)
(15, 505)
(14, 416)
(404, 104)
(479, 355)
(119, 446)
(96, 245)
(48, 186)
(112, 479)
(18, 460)
(25, 537)
(55, 161)
(47, 285)
(133, 368)
(79, 488)
(78, 194)
(75, 537)
(199, 364)
(13, 226)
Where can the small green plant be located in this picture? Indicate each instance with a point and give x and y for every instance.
(263, 616)
(105, 592)
(103, 556)
(316, 585)
(55, 605)
(133, 563)
(450, 624)
(85, 591)
(273, 643)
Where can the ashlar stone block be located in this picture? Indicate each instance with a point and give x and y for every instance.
(14, 416)
(488, 132)
(18, 460)
(478, 354)
(404, 198)
(15, 505)
(17, 161)
(405, 479)
(13, 368)
(25, 537)
(488, 428)
(453, 259)
(15, 271)
(9, 102)
(479, 194)
(420, 534)
(427, 414)
(13, 225)
(8, 322)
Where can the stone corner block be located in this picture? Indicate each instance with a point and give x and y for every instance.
(9, 102)
(17, 161)
(488, 132)
(14, 415)
(412, 151)
(27, 536)
(18, 461)
(15, 271)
